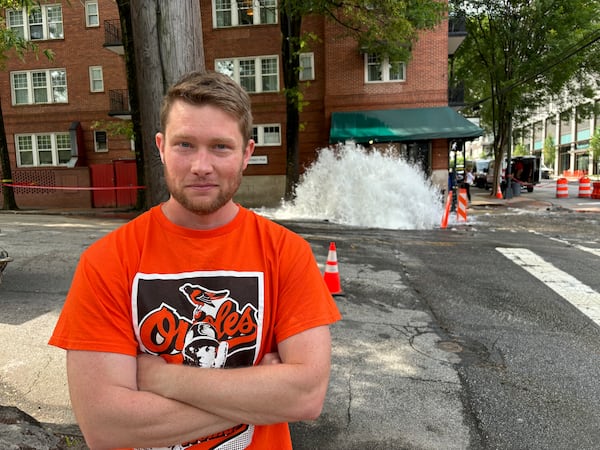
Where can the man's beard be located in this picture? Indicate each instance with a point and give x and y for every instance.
(203, 206)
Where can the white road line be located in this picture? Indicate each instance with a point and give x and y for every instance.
(593, 251)
(570, 288)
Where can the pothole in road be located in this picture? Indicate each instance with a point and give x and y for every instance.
(449, 346)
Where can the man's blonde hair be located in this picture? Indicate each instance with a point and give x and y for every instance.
(210, 88)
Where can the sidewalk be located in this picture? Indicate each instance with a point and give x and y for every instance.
(543, 197)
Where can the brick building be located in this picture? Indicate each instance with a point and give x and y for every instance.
(50, 106)
(57, 117)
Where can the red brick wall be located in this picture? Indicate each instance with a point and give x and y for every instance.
(426, 82)
(439, 154)
(339, 80)
(81, 48)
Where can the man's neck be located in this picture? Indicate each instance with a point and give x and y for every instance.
(183, 217)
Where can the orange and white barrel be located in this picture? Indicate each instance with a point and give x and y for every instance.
(585, 187)
(596, 191)
(562, 188)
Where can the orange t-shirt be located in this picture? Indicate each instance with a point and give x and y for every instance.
(216, 298)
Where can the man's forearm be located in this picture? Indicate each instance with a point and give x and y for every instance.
(291, 389)
(257, 395)
(113, 413)
(144, 419)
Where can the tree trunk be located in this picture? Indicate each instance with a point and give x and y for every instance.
(8, 194)
(290, 50)
(167, 38)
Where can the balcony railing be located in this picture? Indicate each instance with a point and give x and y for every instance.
(112, 36)
(119, 102)
(112, 32)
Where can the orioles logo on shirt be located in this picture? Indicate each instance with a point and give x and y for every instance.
(206, 330)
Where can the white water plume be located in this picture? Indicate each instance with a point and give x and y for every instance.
(352, 186)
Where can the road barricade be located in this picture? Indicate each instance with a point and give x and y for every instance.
(562, 188)
(585, 187)
(596, 191)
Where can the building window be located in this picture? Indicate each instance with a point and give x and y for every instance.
(551, 129)
(48, 149)
(538, 136)
(566, 135)
(100, 141)
(92, 18)
(96, 79)
(583, 125)
(42, 23)
(265, 135)
(381, 69)
(256, 74)
(39, 86)
(307, 66)
(232, 13)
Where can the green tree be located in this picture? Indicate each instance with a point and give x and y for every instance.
(519, 54)
(595, 151)
(549, 151)
(11, 44)
(519, 150)
(385, 27)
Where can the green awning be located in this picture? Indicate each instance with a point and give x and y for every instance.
(396, 125)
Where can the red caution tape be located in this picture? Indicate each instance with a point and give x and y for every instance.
(72, 188)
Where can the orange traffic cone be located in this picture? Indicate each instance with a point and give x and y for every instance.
(332, 276)
(447, 211)
(499, 192)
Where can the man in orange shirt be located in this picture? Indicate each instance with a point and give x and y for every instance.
(199, 324)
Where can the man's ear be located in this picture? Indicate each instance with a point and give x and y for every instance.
(248, 152)
(160, 141)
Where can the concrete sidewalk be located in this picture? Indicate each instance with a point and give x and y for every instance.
(543, 197)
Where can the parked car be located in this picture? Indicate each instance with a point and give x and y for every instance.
(546, 172)
(480, 171)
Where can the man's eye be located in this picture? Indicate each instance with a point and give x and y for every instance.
(222, 147)
(185, 144)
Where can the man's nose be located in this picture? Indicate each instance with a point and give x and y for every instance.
(201, 162)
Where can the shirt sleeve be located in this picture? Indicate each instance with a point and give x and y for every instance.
(96, 315)
(304, 299)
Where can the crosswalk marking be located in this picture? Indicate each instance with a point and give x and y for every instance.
(570, 288)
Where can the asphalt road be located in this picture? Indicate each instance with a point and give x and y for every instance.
(445, 342)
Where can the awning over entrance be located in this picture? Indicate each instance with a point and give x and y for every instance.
(395, 125)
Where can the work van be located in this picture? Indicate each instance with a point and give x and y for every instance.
(525, 170)
(480, 171)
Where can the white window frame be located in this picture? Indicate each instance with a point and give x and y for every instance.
(23, 26)
(96, 79)
(230, 13)
(54, 139)
(92, 14)
(260, 131)
(232, 68)
(385, 69)
(99, 146)
(307, 66)
(52, 85)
